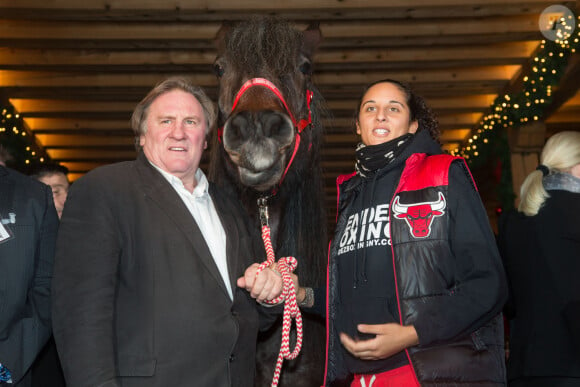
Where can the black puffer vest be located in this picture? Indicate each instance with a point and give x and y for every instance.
(424, 273)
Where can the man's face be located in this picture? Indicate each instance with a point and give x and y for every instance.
(59, 184)
(176, 133)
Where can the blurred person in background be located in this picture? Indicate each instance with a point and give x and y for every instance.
(540, 245)
(47, 371)
(55, 176)
(28, 228)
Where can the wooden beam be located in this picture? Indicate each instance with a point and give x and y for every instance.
(564, 116)
(455, 135)
(38, 58)
(567, 86)
(55, 141)
(484, 73)
(339, 107)
(428, 89)
(104, 155)
(9, 78)
(507, 52)
(528, 138)
(573, 102)
(75, 166)
(72, 124)
(251, 5)
(105, 30)
(15, 58)
(24, 105)
(526, 144)
(369, 11)
(46, 30)
(430, 27)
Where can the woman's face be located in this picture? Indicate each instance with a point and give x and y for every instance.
(384, 115)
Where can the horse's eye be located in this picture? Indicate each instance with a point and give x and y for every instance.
(306, 68)
(218, 70)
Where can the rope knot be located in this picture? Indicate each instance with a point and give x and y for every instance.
(285, 266)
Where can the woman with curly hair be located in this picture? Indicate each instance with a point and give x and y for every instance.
(416, 284)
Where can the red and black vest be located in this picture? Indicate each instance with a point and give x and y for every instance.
(424, 273)
(423, 264)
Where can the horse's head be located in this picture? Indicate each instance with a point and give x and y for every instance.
(264, 67)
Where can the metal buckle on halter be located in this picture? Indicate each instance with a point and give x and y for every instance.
(263, 209)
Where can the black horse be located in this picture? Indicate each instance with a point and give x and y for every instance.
(268, 147)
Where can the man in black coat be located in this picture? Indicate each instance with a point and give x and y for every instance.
(148, 255)
(28, 229)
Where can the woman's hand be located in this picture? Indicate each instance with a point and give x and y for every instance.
(390, 339)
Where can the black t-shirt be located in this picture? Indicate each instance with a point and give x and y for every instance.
(365, 272)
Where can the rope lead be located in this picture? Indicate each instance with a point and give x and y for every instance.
(286, 266)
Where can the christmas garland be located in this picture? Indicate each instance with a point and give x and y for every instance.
(17, 144)
(489, 139)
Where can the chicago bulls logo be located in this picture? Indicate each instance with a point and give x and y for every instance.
(419, 216)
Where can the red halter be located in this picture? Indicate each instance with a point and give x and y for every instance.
(299, 126)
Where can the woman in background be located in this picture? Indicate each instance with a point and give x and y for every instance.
(540, 245)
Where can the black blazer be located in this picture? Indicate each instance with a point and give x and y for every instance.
(542, 258)
(26, 261)
(139, 300)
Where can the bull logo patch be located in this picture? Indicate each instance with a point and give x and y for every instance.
(419, 216)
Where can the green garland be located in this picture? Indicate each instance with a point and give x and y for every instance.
(489, 139)
(17, 141)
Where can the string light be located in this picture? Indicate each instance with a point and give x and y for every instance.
(519, 108)
(14, 137)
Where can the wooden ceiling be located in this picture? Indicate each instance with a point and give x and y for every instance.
(75, 69)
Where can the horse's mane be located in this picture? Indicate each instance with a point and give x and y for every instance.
(255, 45)
(264, 39)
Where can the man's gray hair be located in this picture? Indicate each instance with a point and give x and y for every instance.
(139, 117)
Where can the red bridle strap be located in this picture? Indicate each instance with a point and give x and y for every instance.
(268, 85)
(306, 121)
(299, 126)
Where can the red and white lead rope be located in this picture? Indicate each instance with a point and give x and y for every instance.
(286, 266)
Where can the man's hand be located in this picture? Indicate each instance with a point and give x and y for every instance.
(390, 339)
(266, 286)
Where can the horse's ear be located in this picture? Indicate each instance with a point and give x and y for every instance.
(312, 37)
(220, 36)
